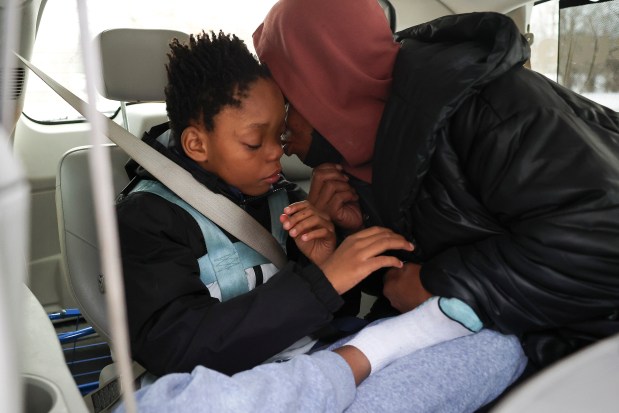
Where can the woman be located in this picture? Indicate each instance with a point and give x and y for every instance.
(506, 182)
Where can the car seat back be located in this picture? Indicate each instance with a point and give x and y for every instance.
(133, 68)
(78, 231)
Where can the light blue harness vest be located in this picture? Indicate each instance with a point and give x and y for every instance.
(225, 262)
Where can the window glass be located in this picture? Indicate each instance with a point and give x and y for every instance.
(589, 49)
(544, 25)
(577, 44)
(57, 47)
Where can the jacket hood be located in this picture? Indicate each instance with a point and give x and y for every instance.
(333, 61)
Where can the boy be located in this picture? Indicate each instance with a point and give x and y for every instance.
(226, 118)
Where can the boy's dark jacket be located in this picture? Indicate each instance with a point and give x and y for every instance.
(174, 323)
(512, 194)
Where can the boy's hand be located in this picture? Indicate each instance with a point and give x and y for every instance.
(331, 193)
(359, 256)
(312, 230)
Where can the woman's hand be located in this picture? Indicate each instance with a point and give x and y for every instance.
(331, 193)
(312, 230)
(403, 289)
(359, 256)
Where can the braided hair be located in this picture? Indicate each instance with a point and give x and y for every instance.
(204, 76)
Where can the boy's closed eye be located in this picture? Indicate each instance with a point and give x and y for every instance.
(251, 141)
(252, 146)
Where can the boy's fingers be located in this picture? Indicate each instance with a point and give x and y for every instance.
(309, 223)
(305, 218)
(381, 244)
(370, 232)
(383, 261)
(296, 207)
(374, 241)
(316, 234)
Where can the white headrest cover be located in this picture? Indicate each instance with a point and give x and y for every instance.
(133, 63)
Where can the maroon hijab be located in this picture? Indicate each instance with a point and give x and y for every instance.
(333, 61)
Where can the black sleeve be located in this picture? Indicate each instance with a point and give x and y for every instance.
(549, 174)
(175, 324)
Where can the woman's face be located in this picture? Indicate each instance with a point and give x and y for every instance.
(298, 137)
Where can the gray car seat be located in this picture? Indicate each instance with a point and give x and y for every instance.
(133, 66)
(78, 232)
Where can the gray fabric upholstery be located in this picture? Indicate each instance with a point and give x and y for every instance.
(585, 381)
(296, 171)
(45, 376)
(133, 63)
(78, 232)
(133, 66)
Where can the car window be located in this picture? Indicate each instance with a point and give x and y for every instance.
(577, 44)
(57, 48)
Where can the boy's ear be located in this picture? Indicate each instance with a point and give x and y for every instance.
(193, 141)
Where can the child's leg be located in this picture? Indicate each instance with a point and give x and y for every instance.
(460, 375)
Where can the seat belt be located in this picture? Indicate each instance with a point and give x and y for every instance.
(217, 208)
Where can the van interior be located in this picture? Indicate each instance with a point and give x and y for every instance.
(55, 328)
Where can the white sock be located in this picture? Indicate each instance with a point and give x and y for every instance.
(422, 327)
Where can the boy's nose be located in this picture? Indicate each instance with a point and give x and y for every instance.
(275, 151)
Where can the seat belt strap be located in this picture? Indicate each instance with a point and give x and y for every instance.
(223, 212)
(277, 202)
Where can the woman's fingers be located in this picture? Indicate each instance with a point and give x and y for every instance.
(322, 176)
(333, 195)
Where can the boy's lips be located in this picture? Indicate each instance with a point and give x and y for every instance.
(273, 178)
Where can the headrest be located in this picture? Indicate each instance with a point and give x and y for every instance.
(133, 63)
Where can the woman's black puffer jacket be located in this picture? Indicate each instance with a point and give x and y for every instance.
(509, 187)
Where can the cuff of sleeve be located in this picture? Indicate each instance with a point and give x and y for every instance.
(337, 374)
(436, 278)
(321, 287)
(460, 312)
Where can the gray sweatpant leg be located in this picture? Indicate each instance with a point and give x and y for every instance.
(321, 383)
(456, 376)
